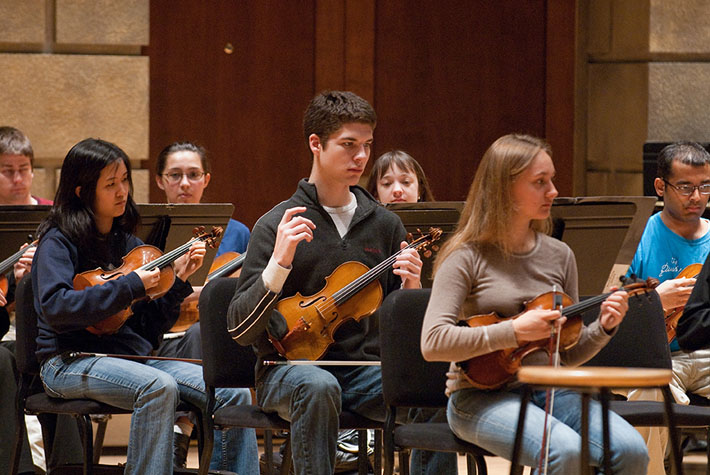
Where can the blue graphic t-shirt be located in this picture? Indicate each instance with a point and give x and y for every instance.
(663, 254)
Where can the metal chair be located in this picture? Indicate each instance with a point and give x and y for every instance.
(641, 342)
(408, 381)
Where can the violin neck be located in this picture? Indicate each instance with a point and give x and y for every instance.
(169, 257)
(228, 268)
(7, 264)
(350, 290)
(584, 305)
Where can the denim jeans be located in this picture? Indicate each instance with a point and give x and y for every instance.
(311, 398)
(489, 420)
(152, 390)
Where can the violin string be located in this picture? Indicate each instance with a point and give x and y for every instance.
(10, 261)
(347, 292)
(364, 280)
(169, 257)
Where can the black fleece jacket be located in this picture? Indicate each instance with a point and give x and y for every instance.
(374, 234)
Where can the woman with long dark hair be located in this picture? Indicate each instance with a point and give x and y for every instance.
(91, 225)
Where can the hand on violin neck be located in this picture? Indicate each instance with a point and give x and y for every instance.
(613, 310)
(674, 293)
(535, 325)
(408, 266)
(187, 264)
(23, 266)
(291, 231)
(150, 278)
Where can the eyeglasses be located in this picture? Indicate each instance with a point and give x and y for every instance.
(687, 190)
(174, 178)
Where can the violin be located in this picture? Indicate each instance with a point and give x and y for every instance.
(144, 257)
(8, 263)
(313, 320)
(492, 370)
(228, 264)
(674, 315)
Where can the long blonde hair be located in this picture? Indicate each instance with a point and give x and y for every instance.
(489, 207)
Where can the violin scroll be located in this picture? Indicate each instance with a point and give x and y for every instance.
(211, 237)
(425, 240)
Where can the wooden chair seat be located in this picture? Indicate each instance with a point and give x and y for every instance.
(594, 377)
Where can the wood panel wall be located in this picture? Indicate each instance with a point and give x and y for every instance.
(446, 79)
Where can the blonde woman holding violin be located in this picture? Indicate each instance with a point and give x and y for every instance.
(498, 258)
(91, 225)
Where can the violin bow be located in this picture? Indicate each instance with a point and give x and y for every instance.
(83, 354)
(554, 350)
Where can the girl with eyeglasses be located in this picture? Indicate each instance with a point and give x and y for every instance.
(183, 173)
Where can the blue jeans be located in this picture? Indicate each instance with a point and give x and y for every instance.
(152, 390)
(489, 419)
(311, 398)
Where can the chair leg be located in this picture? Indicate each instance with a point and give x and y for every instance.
(606, 440)
(377, 466)
(102, 422)
(515, 467)
(48, 423)
(286, 459)
(207, 431)
(199, 429)
(481, 467)
(404, 457)
(362, 446)
(20, 427)
(676, 452)
(388, 440)
(86, 431)
(269, 451)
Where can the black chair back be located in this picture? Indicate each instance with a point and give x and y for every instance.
(407, 379)
(26, 325)
(225, 363)
(640, 341)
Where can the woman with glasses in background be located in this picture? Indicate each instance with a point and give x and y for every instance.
(396, 177)
(183, 173)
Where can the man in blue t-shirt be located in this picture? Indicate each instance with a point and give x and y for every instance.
(675, 238)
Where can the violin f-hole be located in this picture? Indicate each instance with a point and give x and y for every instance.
(303, 304)
(110, 276)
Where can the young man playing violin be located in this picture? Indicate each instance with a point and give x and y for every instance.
(674, 239)
(328, 221)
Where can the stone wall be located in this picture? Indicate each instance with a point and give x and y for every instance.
(646, 74)
(73, 69)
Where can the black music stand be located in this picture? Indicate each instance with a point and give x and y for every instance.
(168, 226)
(18, 224)
(603, 232)
(422, 216)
